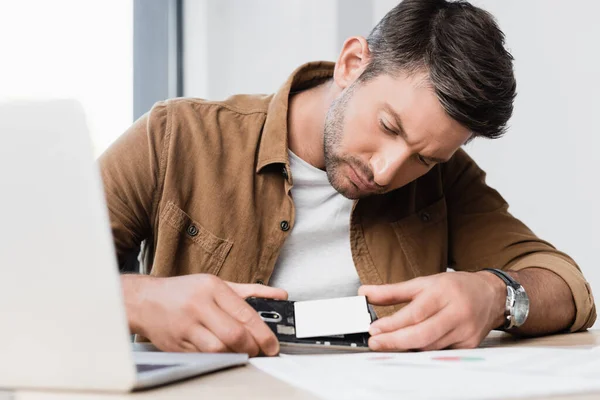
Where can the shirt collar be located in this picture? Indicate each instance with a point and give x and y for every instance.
(274, 140)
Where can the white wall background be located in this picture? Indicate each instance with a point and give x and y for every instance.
(238, 46)
(546, 166)
(71, 49)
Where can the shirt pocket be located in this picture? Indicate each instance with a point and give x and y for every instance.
(187, 247)
(423, 236)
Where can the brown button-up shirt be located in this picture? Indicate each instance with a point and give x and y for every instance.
(206, 186)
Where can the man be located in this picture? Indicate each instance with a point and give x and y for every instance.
(350, 179)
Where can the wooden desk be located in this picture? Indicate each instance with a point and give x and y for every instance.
(250, 383)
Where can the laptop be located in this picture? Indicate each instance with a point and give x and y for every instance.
(62, 317)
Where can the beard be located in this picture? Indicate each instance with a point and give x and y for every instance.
(334, 160)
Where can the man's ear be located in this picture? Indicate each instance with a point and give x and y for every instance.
(353, 59)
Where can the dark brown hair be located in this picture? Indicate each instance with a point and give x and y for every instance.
(462, 49)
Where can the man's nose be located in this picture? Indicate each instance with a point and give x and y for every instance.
(385, 165)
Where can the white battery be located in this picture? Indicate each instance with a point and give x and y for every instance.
(330, 317)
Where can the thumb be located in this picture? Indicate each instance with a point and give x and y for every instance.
(245, 290)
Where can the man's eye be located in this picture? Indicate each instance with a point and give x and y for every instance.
(423, 161)
(387, 128)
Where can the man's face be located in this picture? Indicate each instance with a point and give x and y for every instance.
(382, 134)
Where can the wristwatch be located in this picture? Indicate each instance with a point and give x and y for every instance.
(517, 301)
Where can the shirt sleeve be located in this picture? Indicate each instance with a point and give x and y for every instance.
(483, 234)
(131, 170)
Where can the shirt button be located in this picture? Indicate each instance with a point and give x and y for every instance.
(285, 226)
(425, 217)
(260, 282)
(192, 230)
(284, 173)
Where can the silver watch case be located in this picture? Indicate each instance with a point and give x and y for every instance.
(517, 306)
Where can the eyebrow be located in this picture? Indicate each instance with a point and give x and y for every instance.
(402, 132)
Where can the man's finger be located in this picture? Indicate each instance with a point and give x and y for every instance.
(235, 306)
(255, 290)
(444, 342)
(414, 336)
(230, 331)
(202, 340)
(468, 343)
(385, 295)
(415, 312)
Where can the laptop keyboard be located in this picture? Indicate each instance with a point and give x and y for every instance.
(152, 367)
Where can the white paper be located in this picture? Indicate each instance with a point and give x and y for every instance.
(338, 316)
(451, 374)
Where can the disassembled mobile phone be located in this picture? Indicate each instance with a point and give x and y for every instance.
(331, 325)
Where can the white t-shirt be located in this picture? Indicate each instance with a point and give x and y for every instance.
(316, 261)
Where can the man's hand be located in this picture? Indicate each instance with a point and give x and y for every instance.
(451, 309)
(199, 312)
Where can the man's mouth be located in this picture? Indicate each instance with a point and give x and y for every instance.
(362, 182)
